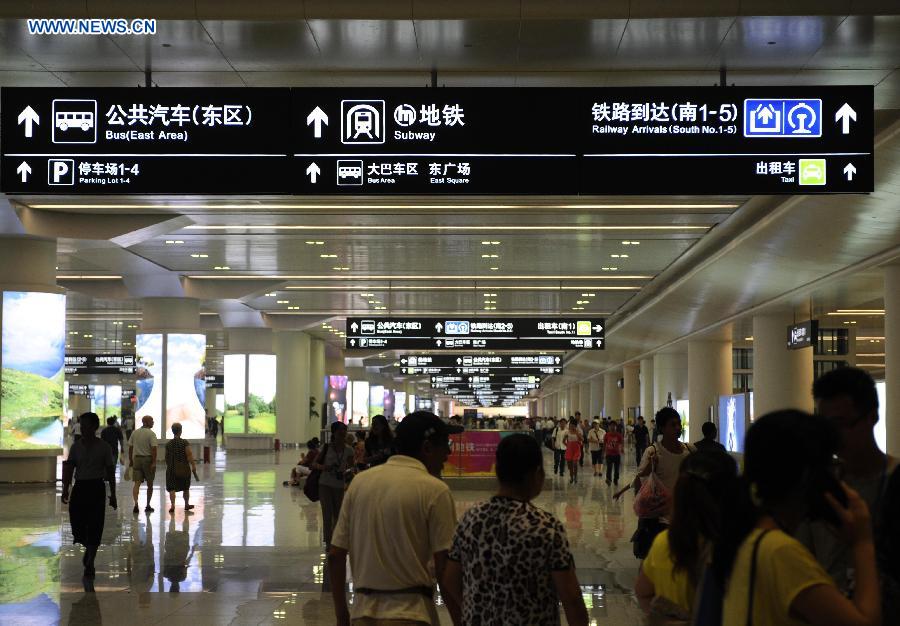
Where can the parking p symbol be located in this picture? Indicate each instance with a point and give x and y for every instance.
(61, 171)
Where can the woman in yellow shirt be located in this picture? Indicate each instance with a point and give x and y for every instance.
(769, 578)
(669, 575)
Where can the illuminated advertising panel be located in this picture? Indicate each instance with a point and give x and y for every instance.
(186, 384)
(376, 400)
(337, 398)
(360, 407)
(235, 392)
(148, 378)
(33, 360)
(733, 421)
(399, 405)
(261, 394)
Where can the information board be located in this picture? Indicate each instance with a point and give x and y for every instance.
(76, 364)
(418, 141)
(514, 333)
(802, 335)
(505, 364)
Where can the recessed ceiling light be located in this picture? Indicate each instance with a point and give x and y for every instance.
(494, 269)
(327, 256)
(174, 242)
(587, 295)
(221, 267)
(341, 269)
(748, 338)
(282, 302)
(293, 308)
(367, 295)
(271, 295)
(197, 255)
(315, 243)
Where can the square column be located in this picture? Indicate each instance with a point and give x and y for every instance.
(892, 357)
(648, 408)
(612, 395)
(782, 378)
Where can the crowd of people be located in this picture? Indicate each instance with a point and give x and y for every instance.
(805, 531)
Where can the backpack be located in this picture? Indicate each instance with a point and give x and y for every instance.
(311, 487)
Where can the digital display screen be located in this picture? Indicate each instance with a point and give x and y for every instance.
(148, 379)
(186, 384)
(337, 399)
(376, 400)
(261, 394)
(33, 359)
(399, 405)
(733, 421)
(235, 392)
(360, 406)
(388, 403)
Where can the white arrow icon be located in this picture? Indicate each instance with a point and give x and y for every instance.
(313, 172)
(597, 328)
(458, 360)
(353, 342)
(403, 361)
(439, 343)
(844, 115)
(439, 327)
(849, 170)
(29, 116)
(353, 327)
(317, 118)
(24, 170)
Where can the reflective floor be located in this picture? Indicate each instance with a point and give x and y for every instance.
(250, 553)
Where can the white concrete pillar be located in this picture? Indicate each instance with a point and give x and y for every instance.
(292, 387)
(669, 376)
(709, 376)
(317, 370)
(648, 408)
(631, 394)
(596, 384)
(36, 321)
(584, 400)
(612, 395)
(573, 399)
(782, 378)
(892, 357)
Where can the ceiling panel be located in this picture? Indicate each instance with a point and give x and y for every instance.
(569, 44)
(253, 46)
(378, 45)
(794, 40)
(179, 45)
(672, 44)
(471, 44)
(861, 42)
(66, 53)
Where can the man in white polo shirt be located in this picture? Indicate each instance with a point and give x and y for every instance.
(396, 519)
(142, 449)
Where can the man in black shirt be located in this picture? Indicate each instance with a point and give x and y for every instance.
(709, 438)
(112, 435)
(641, 437)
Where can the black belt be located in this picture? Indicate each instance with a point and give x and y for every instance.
(428, 592)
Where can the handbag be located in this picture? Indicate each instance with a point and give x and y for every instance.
(653, 499)
(311, 486)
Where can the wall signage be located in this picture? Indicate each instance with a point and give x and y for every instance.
(486, 364)
(97, 364)
(352, 141)
(802, 335)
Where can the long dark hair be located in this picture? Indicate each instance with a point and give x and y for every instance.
(386, 435)
(704, 480)
(783, 450)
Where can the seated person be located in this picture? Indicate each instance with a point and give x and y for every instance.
(302, 469)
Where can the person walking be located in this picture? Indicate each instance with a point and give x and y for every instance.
(709, 438)
(613, 446)
(380, 442)
(334, 461)
(90, 462)
(179, 467)
(494, 571)
(397, 526)
(595, 447)
(574, 447)
(641, 439)
(142, 450)
(112, 435)
(559, 446)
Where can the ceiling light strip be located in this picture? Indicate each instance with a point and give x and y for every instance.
(88, 277)
(455, 228)
(396, 288)
(396, 311)
(390, 277)
(270, 205)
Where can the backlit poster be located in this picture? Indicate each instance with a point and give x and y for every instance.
(235, 392)
(360, 407)
(114, 402)
(186, 384)
(98, 402)
(261, 394)
(33, 359)
(684, 407)
(148, 379)
(880, 430)
(337, 399)
(399, 405)
(376, 401)
(732, 422)
(411, 403)
(388, 403)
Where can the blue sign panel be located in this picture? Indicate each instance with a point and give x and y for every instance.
(777, 117)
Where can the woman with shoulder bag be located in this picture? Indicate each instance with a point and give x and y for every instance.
(180, 465)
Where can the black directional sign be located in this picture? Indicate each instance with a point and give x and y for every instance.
(433, 333)
(365, 141)
(505, 364)
(99, 364)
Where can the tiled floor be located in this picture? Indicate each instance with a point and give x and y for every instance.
(252, 552)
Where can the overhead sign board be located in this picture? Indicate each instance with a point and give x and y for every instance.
(76, 364)
(514, 333)
(505, 364)
(802, 335)
(215, 381)
(352, 141)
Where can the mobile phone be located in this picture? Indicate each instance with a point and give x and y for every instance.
(826, 482)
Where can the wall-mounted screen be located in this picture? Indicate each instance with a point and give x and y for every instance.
(261, 394)
(360, 406)
(114, 401)
(33, 360)
(235, 392)
(337, 399)
(98, 401)
(148, 379)
(733, 421)
(186, 384)
(388, 403)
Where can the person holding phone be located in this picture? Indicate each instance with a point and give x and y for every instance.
(769, 578)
